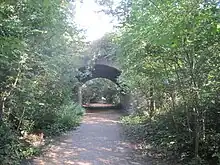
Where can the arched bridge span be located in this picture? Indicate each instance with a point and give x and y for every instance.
(102, 71)
(99, 71)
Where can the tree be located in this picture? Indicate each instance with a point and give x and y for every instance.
(40, 53)
(170, 54)
(97, 89)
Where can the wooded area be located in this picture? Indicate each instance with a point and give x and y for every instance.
(169, 52)
(40, 54)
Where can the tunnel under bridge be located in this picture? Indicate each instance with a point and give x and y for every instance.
(86, 73)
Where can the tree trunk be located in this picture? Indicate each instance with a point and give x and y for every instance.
(1, 110)
(80, 95)
(151, 102)
(197, 133)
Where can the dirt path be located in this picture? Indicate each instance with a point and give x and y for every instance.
(98, 141)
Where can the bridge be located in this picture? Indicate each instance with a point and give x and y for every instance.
(103, 67)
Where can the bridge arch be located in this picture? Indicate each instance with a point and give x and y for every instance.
(86, 73)
(98, 71)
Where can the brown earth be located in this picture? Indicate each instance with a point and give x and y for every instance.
(98, 141)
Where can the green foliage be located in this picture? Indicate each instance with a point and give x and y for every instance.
(97, 89)
(67, 118)
(133, 120)
(12, 149)
(9, 145)
(39, 56)
(167, 134)
(170, 58)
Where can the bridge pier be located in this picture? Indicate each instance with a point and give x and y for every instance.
(80, 95)
(103, 70)
(125, 99)
(126, 102)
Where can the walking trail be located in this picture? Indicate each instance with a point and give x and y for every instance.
(98, 141)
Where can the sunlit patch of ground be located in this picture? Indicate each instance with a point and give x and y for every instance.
(98, 141)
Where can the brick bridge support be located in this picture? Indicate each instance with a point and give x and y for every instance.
(104, 68)
(126, 102)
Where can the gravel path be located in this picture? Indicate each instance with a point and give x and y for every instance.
(98, 141)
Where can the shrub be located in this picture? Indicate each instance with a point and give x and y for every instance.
(168, 135)
(12, 149)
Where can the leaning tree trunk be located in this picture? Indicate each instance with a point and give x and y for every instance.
(1, 110)
(151, 102)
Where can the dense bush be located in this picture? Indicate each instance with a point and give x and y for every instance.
(98, 89)
(39, 56)
(67, 118)
(168, 136)
(170, 57)
(12, 149)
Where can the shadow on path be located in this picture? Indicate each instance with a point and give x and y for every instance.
(98, 141)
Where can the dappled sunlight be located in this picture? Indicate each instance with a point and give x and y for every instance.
(82, 163)
(98, 120)
(105, 149)
(79, 149)
(104, 161)
(98, 141)
(102, 117)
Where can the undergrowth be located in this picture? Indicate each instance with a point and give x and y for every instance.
(13, 148)
(167, 138)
